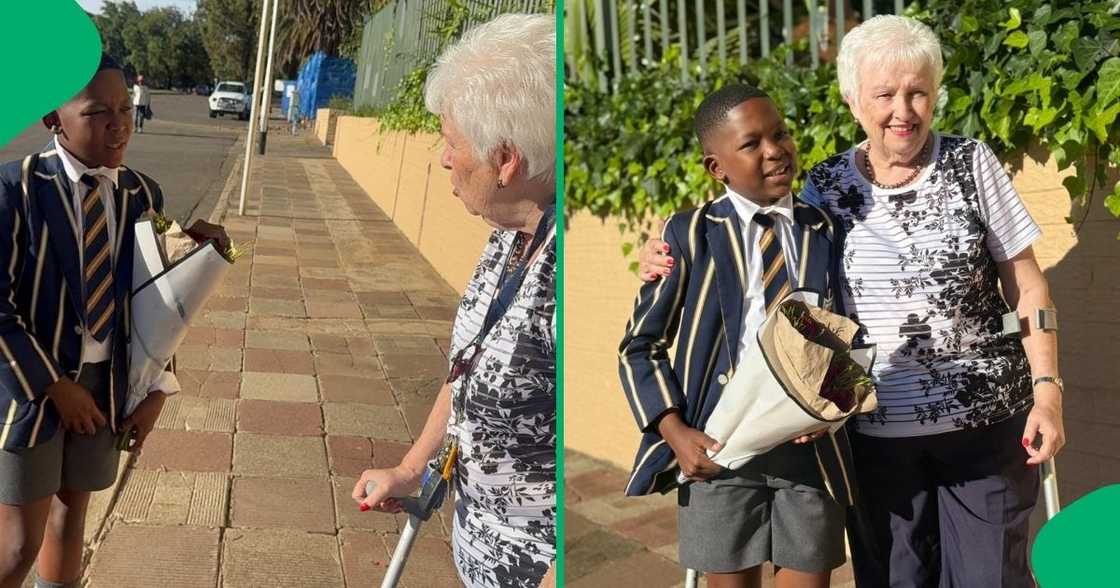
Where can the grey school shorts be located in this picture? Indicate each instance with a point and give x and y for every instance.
(775, 508)
(68, 460)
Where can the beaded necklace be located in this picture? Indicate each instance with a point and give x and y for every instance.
(870, 170)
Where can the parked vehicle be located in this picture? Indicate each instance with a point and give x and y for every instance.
(202, 90)
(230, 98)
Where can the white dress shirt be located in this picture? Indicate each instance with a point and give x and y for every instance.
(141, 95)
(94, 351)
(754, 301)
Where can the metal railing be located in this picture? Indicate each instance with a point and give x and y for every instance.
(407, 34)
(607, 39)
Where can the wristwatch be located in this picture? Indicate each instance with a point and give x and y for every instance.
(1051, 379)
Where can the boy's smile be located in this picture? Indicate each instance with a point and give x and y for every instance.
(752, 152)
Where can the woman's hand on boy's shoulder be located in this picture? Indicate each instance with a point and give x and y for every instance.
(655, 259)
(690, 445)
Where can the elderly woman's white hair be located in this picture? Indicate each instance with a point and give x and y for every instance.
(884, 41)
(498, 83)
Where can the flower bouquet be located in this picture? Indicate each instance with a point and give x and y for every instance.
(801, 376)
(174, 273)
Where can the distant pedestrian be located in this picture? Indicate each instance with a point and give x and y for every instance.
(293, 109)
(141, 103)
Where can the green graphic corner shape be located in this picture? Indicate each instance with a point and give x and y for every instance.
(1078, 546)
(55, 49)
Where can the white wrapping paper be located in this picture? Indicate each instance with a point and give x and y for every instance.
(755, 413)
(166, 297)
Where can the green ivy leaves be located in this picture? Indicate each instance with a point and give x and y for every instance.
(407, 112)
(1017, 73)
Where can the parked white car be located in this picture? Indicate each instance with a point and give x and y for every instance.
(230, 98)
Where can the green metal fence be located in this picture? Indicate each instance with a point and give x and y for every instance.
(407, 34)
(607, 39)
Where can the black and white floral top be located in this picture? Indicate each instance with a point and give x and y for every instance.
(505, 420)
(920, 276)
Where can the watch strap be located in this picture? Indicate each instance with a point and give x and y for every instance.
(1051, 379)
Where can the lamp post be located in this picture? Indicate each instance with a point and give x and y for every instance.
(253, 110)
(263, 137)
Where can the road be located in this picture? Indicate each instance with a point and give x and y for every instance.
(187, 152)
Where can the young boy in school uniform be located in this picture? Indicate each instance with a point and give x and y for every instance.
(66, 241)
(732, 260)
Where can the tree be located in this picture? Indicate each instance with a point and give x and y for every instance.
(149, 43)
(193, 62)
(331, 26)
(229, 34)
(115, 17)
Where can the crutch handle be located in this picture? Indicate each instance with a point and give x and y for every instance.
(410, 504)
(433, 489)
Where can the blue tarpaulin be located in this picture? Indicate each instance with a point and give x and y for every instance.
(322, 78)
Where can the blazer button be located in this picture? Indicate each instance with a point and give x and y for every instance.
(78, 330)
(722, 379)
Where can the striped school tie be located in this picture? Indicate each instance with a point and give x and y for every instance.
(98, 270)
(775, 278)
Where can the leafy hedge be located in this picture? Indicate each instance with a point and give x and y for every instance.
(1016, 72)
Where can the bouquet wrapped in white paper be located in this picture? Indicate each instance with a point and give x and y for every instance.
(801, 376)
(172, 278)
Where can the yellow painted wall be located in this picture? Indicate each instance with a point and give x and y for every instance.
(402, 175)
(599, 294)
(1082, 268)
(322, 124)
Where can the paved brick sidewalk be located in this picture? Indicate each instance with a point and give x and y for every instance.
(320, 357)
(614, 540)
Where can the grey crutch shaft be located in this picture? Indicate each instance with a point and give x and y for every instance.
(1050, 488)
(400, 554)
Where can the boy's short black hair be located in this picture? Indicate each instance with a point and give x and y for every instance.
(107, 62)
(713, 110)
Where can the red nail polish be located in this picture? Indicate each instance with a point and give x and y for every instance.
(1026, 442)
(363, 507)
(669, 262)
(665, 247)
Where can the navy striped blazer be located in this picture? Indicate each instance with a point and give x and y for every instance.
(41, 317)
(700, 307)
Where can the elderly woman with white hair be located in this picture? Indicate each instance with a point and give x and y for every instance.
(494, 91)
(933, 232)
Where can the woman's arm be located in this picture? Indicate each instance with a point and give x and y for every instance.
(431, 438)
(1025, 289)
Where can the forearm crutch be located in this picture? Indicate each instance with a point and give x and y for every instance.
(1050, 488)
(691, 578)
